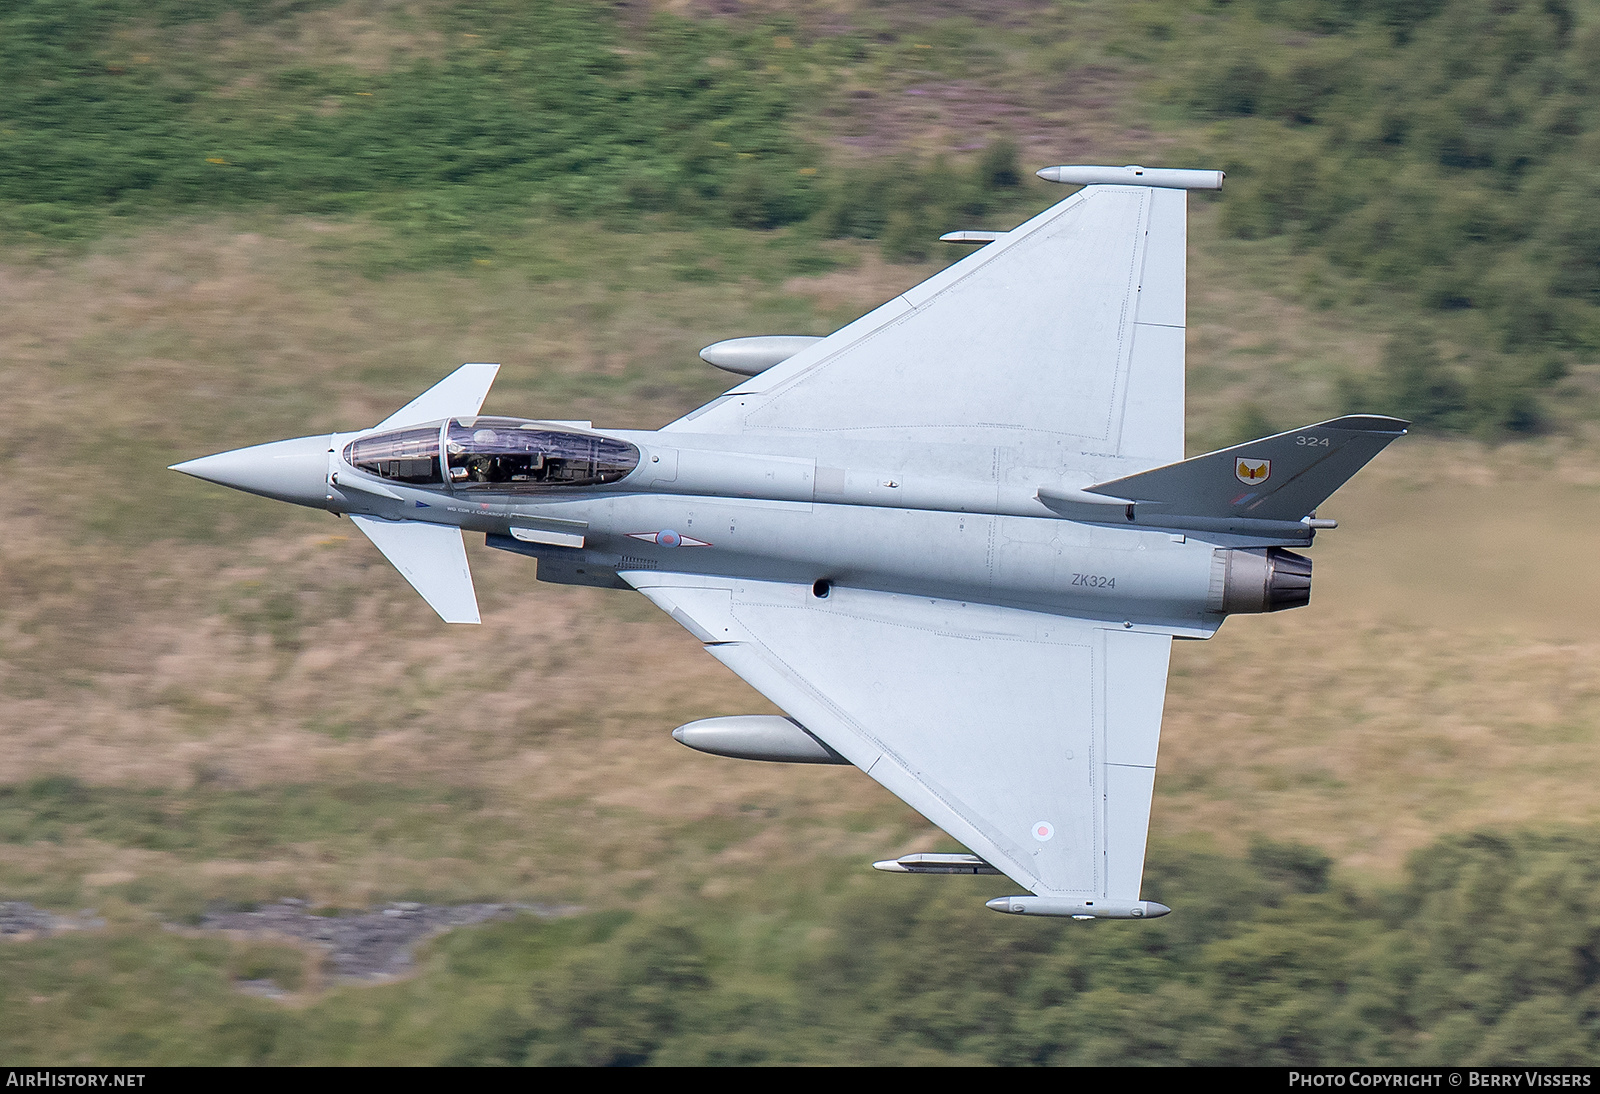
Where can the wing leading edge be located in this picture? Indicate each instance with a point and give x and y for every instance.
(1031, 738)
(1067, 331)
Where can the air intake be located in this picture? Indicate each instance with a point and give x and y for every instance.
(1269, 580)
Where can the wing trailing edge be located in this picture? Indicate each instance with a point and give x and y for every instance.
(1030, 738)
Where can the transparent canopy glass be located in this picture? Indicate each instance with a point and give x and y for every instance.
(511, 454)
(406, 455)
(503, 455)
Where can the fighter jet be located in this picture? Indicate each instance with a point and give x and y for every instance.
(953, 540)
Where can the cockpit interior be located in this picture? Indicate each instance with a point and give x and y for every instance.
(500, 455)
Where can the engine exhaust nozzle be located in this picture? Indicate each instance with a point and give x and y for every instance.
(1270, 579)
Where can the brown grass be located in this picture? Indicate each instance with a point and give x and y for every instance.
(1444, 676)
(366, 35)
(159, 632)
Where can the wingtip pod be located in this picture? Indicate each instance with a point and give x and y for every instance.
(1172, 178)
(1066, 907)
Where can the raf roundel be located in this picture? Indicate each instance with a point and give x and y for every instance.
(668, 538)
(1043, 831)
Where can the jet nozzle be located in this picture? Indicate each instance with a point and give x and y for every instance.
(1256, 580)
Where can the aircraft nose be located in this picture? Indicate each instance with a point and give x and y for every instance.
(294, 470)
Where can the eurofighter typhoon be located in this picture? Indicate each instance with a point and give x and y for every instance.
(953, 540)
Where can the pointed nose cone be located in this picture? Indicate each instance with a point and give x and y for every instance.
(294, 470)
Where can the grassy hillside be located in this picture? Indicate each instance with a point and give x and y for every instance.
(212, 701)
(1431, 158)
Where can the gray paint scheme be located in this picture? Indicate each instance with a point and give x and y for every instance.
(757, 737)
(970, 237)
(750, 356)
(953, 540)
(935, 863)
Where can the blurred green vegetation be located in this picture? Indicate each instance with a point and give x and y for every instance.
(1267, 962)
(525, 100)
(1429, 156)
(1435, 153)
(1442, 151)
(543, 109)
(1483, 955)
(212, 822)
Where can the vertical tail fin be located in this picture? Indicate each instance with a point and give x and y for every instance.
(1281, 478)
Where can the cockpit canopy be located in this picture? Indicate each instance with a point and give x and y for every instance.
(405, 455)
(500, 455)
